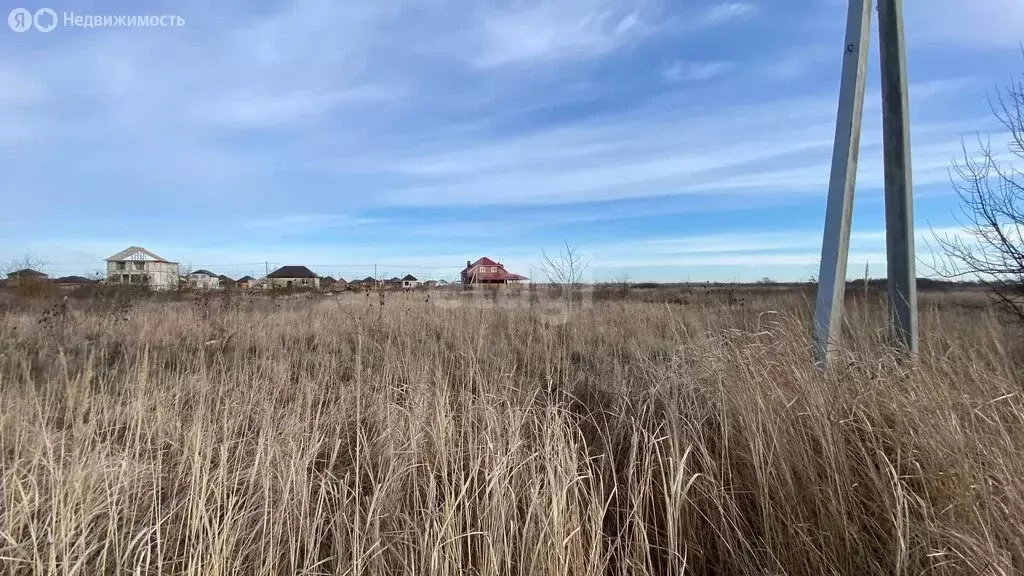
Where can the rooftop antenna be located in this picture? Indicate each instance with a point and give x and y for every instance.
(899, 218)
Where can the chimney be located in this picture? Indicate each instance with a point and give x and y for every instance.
(467, 263)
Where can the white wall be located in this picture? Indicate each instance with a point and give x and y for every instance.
(203, 282)
(162, 275)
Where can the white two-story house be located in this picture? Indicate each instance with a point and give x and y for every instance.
(140, 267)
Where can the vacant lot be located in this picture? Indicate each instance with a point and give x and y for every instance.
(447, 436)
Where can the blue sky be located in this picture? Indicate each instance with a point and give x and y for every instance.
(671, 141)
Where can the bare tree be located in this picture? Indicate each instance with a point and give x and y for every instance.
(565, 269)
(991, 247)
(26, 261)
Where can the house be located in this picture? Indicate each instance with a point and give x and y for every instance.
(72, 282)
(368, 283)
(429, 284)
(226, 281)
(328, 282)
(292, 277)
(139, 267)
(203, 280)
(341, 283)
(24, 277)
(410, 281)
(246, 282)
(395, 282)
(487, 271)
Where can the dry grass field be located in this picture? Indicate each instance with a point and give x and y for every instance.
(462, 436)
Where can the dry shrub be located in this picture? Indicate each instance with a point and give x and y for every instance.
(345, 436)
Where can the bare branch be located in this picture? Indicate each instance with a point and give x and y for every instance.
(990, 247)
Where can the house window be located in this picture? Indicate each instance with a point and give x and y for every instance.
(125, 278)
(494, 268)
(139, 265)
(122, 265)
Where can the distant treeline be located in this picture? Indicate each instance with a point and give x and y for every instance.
(930, 284)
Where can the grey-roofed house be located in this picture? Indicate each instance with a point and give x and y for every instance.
(203, 280)
(293, 277)
(25, 276)
(246, 282)
(72, 282)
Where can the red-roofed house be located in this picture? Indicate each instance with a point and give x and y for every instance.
(487, 271)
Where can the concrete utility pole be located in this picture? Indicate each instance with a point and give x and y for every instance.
(899, 201)
(828, 310)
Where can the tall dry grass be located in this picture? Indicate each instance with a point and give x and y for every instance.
(339, 437)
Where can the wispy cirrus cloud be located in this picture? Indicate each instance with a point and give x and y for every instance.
(990, 24)
(682, 71)
(548, 30)
(728, 11)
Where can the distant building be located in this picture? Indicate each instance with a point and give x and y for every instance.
(429, 284)
(368, 283)
(140, 267)
(246, 282)
(226, 281)
(487, 271)
(293, 277)
(203, 280)
(410, 281)
(72, 282)
(24, 277)
(328, 282)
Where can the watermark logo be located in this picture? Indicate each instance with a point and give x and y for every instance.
(46, 19)
(20, 20)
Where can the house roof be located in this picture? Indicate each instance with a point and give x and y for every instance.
(292, 272)
(26, 273)
(246, 279)
(328, 279)
(225, 278)
(342, 281)
(203, 272)
(73, 280)
(410, 278)
(485, 261)
(136, 253)
(483, 274)
(369, 280)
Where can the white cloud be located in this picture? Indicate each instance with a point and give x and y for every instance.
(304, 222)
(254, 110)
(550, 30)
(978, 24)
(785, 148)
(681, 71)
(727, 12)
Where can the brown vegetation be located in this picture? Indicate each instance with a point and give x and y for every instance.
(348, 435)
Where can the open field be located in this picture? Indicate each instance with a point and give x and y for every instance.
(448, 435)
